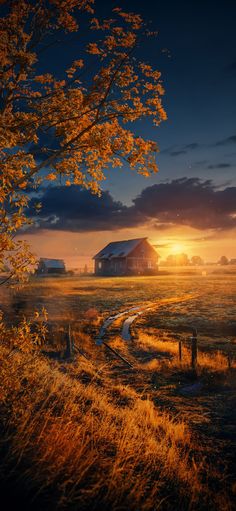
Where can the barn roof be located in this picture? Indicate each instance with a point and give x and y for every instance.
(52, 263)
(118, 249)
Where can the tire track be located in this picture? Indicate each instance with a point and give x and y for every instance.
(132, 314)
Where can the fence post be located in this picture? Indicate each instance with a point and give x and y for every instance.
(180, 351)
(194, 349)
(229, 360)
(69, 352)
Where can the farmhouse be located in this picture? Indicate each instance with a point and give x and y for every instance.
(129, 257)
(49, 266)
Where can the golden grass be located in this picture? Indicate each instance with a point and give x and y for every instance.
(214, 361)
(75, 433)
(94, 444)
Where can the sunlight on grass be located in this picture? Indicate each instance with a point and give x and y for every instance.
(75, 437)
(169, 352)
(96, 433)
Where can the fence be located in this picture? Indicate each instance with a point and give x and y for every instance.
(71, 349)
(194, 351)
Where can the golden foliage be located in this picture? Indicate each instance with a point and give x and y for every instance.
(89, 114)
(29, 335)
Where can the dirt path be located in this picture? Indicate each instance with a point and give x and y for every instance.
(109, 321)
(208, 407)
(134, 312)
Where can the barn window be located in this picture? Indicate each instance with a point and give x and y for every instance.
(100, 265)
(149, 264)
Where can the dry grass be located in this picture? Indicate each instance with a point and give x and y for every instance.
(91, 444)
(169, 352)
(68, 299)
(86, 435)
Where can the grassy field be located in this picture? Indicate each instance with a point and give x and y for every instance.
(209, 304)
(94, 433)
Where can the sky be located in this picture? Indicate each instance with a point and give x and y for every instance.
(190, 205)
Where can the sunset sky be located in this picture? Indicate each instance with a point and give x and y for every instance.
(190, 205)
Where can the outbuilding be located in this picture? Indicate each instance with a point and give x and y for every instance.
(128, 257)
(50, 266)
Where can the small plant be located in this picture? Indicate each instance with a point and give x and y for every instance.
(29, 335)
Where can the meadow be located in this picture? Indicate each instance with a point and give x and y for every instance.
(95, 433)
(212, 306)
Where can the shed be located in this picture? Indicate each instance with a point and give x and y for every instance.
(49, 266)
(128, 257)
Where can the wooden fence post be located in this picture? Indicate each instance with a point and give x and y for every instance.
(180, 351)
(69, 352)
(194, 349)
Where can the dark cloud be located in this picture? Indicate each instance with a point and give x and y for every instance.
(167, 150)
(226, 141)
(189, 202)
(72, 209)
(192, 146)
(186, 201)
(183, 149)
(220, 166)
(177, 153)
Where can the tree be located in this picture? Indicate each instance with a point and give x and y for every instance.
(223, 261)
(197, 261)
(87, 113)
(177, 260)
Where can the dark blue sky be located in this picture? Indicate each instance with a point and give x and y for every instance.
(191, 202)
(192, 199)
(199, 75)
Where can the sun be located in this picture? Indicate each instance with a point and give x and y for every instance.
(177, 248)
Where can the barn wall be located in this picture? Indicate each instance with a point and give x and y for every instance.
(142, 260)
(144, 251)
(110, 267)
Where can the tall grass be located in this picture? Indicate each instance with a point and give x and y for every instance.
(94, 444)
(168, 351)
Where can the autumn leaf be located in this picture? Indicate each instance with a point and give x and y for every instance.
(92, 122)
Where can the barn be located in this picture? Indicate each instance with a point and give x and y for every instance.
(128, 257)
(50, 266)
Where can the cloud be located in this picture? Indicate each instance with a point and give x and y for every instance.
(72, 209)
(183, 149)
(177, 153)
(226, 141)
(219, 166)
(192, 146)
(189, 201)
(185, 201)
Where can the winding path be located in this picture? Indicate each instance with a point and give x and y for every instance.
(132, 313)
(110, 320)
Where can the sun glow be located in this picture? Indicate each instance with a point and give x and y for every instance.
(178, 248)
